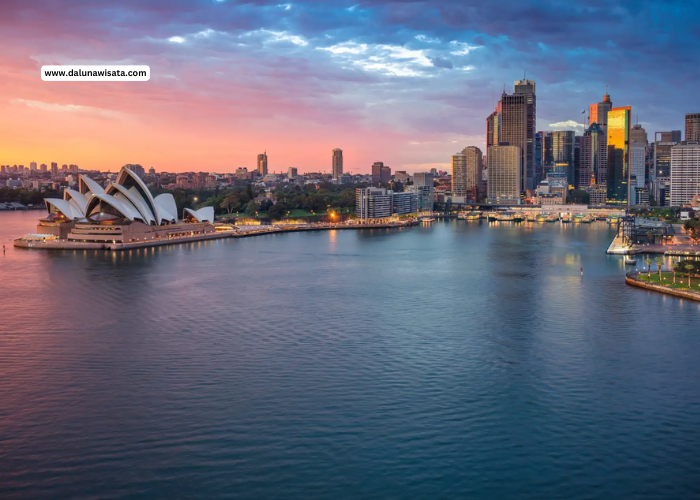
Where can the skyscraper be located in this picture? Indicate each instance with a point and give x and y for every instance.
(337, 165)
(638, 135)
(377, 172)
(43, 167)
(32, 166)
(685, 173)
(662, 158)
(563, 153)
(591, 169)
(423, 187)
(459, 175)
(598, 113)
(385, 174)
(637, 157)
(692, 127)
(292, 172)
(518, 118)
(619, 155)
(54, 168)
(505, 171)
(262, 164)
(475, 168)
(492, 129)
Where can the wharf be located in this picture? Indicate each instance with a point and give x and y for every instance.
(249, 231)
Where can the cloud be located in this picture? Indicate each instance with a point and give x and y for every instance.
(68, 108)
(439, 62)
(567, 125)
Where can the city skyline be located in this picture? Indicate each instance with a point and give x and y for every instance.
(309, 78)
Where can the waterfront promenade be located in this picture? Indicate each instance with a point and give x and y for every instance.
(679, 289)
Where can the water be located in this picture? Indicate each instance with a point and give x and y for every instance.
(458, 360)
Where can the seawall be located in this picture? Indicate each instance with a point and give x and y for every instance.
(631, 279)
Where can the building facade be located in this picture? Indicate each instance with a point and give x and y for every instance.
(380, 203)
(637, 161)
(518, 119)
(337, 165)
(685, 173)
(474, 160)
(563, 153)
(505, 171)
(459, 175)
(377, 172)
(619, 155)
(262, 164)
(692, 127)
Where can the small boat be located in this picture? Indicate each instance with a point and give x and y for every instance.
(630, 261)
(542, 217)
(472, 216)
(492, 216)
(428, 220)
(504, 217)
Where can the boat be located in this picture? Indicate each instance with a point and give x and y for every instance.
(428, 220)
(577, 218)
(541, 217)
(613, 219)
(504, 217)
(630, 261)
(472, 216)
(492, 216)
(565, 219)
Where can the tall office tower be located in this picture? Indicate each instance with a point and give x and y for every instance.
(637, 160)
(598, 113)
(578, 144)
(54, 168)
(385, 174)
(423, 179)
(377, 172)
(518, 118)
(492, 129)
(505, 174)
(619, 155)
(75, 169)
(563, 153)
(539, 157)
(638, 135)
(589, 156)
(43, 167)
(32, 166)
(662, 158)
(692, 127)
(292, 172)
(459, 175)
(672, 136)
(337, 165)
(475, 170)
(262, 164)
(685, 173)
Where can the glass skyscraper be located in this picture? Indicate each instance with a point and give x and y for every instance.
(619, 155)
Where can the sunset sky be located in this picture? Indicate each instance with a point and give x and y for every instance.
(407, 82)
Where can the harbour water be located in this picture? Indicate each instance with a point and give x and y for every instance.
(449, 360)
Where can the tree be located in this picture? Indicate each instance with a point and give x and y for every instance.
(249, 191)
(689, 268)
(659, 261)
(648, 261)
(252, 207)
(231, 202)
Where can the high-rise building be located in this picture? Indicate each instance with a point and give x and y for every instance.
(505, 171)
(385, 174)
(662, 158)
(518, 118)
(638, 135)
(563, 153)
(475, 168)
(692, 127)
(32, 166)
(492, 128)
(404, 203)
(459, 175)
(43, 167)
(685, 173)
(672, 136)
(292, 172)
(337, 165)
(377, 172)
(619, 155)
(372, 203)
(591, 170)
(598, 113)
(539, 157)
(262, 164)
(54, 168)
(151, 171)
(637, 158)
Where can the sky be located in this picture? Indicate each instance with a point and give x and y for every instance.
(405, 82)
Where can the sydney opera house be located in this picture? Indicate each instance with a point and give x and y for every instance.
(123, 212)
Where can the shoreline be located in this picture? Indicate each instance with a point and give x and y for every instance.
(631, 278)
(116, 247)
